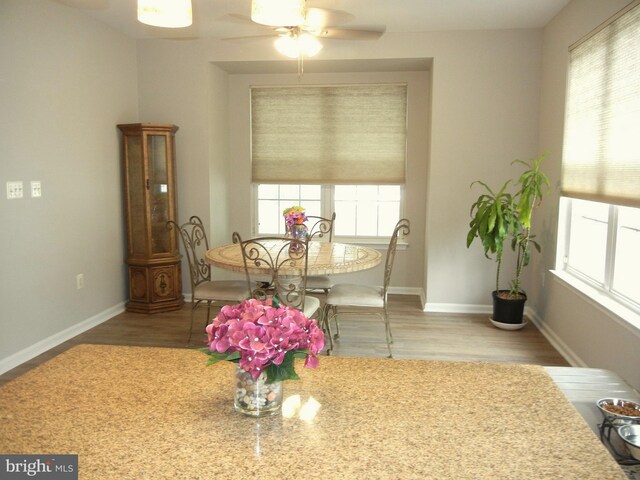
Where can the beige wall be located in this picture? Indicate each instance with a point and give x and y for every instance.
(586, 333)
(65, 82)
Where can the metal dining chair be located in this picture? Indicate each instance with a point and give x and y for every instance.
(285, 261)
(203, 288)
(348, 296)
(321, 229)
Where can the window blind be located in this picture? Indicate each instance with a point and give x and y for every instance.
(601, 158)
(338, 134)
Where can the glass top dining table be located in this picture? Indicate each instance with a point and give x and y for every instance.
(325, 258)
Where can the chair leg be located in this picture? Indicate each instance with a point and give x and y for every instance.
(334, 309)
(208, 319)
(388, 323)
(387, 329)
(326, 326)
(194, 305)
(193, 308)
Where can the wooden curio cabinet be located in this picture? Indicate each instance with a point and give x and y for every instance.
(153, 258)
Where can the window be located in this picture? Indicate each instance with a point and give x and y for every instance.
(272, 200)
(364, 212)
(589, 221)
(626, 264)
(602, 247)
(340, 148)
(599, 222)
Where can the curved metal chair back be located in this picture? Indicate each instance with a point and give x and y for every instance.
(403, 227)
(203, 288)
(194, 240)
(321, 227)
(285, 260)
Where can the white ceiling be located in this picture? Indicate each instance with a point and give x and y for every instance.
(213, 18)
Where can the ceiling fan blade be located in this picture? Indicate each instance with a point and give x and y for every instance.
(252, 37)
(350, 34)
(318, 18)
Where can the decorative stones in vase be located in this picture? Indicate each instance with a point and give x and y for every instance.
(256, 398)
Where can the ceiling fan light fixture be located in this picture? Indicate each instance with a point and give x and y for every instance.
(165, 13)
(277, 13)
(309, 45)
(304, 45)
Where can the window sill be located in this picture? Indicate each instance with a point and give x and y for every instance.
(623, 315)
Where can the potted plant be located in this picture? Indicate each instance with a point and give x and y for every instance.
(498, 216)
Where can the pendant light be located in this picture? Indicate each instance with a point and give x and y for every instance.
(165, 13)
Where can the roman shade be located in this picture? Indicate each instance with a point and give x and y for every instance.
(601, 158)
(338, 134)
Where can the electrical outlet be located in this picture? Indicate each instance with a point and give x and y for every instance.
(36, 188)
(80, 281)
(14, 190)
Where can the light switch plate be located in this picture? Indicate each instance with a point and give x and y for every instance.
(36, 188)
(14, 190)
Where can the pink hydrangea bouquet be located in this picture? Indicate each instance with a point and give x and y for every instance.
(261, 337)
(294, 216)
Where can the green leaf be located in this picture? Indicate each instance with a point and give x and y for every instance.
(284, 371)
(215, 357)
(536, 245)
(492, 218)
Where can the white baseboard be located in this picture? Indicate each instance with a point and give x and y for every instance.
(457, 308)
(56, 339)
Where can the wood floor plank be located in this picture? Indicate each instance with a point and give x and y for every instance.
(417, 335)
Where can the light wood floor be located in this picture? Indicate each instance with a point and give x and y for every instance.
(417, 335)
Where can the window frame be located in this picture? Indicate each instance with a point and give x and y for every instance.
(601, 292)
(327, 202)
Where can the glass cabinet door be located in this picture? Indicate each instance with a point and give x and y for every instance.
(136, 196)
(158, 191)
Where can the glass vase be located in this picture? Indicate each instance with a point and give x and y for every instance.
(256, 398)
(297, 232)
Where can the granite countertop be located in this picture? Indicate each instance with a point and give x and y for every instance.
(142, 413)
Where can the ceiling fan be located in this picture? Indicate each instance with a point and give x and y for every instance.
(298, 28)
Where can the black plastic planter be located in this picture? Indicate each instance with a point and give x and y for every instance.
(508, 310)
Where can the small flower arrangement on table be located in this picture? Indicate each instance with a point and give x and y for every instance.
(294, 216)
(264, 338)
